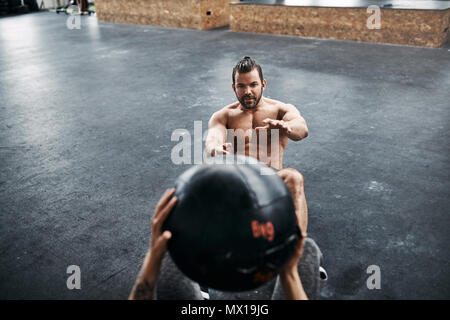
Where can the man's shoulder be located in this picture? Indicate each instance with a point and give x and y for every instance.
(227, 109)
(231, 106)
(278, 104)
(222, 114)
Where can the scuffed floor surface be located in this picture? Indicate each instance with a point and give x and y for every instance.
(86, 118)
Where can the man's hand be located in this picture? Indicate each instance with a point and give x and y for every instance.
(221, 150)
(276, 124)
(292, 264)
(145, 285)
(159, 239)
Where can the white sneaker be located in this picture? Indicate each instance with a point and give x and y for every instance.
(205, 295)
(323, 274)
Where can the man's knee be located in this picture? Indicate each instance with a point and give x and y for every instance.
(292, 178)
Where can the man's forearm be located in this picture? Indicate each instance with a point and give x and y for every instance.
(292, 286)
(143, 290)
(145, 286)
(216, 138)
(299, 130)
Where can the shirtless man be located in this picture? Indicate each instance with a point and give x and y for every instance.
(251, 114)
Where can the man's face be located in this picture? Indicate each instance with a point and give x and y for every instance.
(248, 88)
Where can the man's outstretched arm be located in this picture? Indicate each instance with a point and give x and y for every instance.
(217, 135)
(292, 124)
(296, 123)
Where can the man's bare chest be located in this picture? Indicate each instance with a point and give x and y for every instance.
(248, 120)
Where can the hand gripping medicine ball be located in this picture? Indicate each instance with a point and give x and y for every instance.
(232, 227)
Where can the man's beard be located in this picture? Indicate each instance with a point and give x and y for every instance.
(249, 104)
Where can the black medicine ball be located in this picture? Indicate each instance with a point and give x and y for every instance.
(232, 227)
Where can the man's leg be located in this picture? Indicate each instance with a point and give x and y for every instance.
(295, 183)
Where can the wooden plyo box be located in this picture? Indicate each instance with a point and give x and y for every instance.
(189, 14)
(412, 23)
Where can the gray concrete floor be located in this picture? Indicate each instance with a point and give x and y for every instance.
(86, 118)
